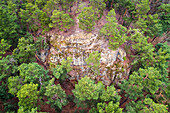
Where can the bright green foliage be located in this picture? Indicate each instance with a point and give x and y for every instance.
(145, 80)
(28, 96)
(109, 108)
(149, 25)
(153, 107)
(60, 72)
(21, 110)
(145, 50)
(114, 32)
(7, 67)
(67, 64)
(33, 72)
(50, 6)
(14, 84)
(61, 20)
(88, 94)
(87, 19)
(25, 51)
(94, 62)
(142, 8)
(99, 6)
(4, 46)
(86, 90)
(56, 95)
(110, 94)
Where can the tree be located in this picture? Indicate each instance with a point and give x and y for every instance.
(29, 17)
(61, 20)
(85, 90)
(4, 46)
(109, 108)
(153, 107)
(8, 67)
(60, 72)
(28, 96)
(50, 7)
(66, 64)
(99, 6)
(9, 27)
(163, 10)
(144, 51)
(150, 25)
(25, 51)
(40, 3)
(55, 95)
(114, 32)
(44, 21)
(89, 94)
(142, 83)
(33, 72)
(87, 19)
(14, 84)
(146, 106)
(162, 55)
(93, 62)
(142, 8)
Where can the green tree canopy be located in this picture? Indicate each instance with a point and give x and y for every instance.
(87, 19)
(114, 32)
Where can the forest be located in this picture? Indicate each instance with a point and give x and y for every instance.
(84, 56)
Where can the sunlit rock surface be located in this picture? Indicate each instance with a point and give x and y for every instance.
(79, 46)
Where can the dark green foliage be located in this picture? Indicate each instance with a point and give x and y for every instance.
(61, 20)
(33, 72)
(25, 51)
(162, 56)
(4, 46)
(7, 67)
(145, 81)
(9, 27)
(144, 56)
(98, 6)
(56, 95)
(147, 106)
(163, 11)
(44, 21)
(4, 95)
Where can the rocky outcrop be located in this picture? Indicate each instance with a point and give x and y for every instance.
(79, 46)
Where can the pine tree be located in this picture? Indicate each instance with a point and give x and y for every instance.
(25, 51)
(87, 19)
(61, 20)
(114, 32)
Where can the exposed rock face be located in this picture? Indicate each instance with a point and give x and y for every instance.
(79, 46)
